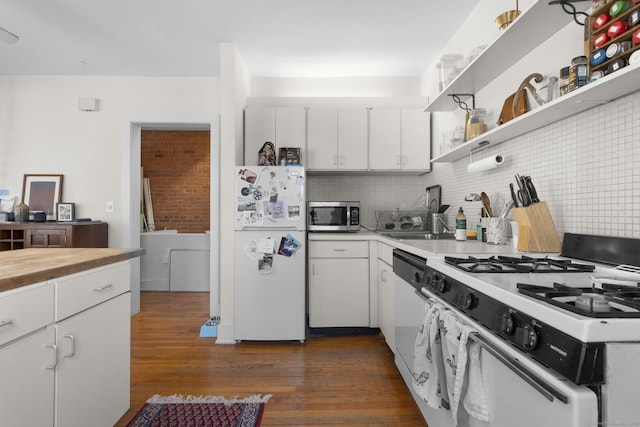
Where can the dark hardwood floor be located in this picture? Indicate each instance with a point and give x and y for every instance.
(349, 381)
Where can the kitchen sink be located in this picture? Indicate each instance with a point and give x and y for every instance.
(415, 235)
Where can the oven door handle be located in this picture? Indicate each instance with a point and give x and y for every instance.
(530, 378)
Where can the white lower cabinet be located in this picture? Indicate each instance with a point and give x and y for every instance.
(92, 376)
(385, 294)
(27, 356)
(338, 284)
(26, 378)
(65, 350)
(93, 325)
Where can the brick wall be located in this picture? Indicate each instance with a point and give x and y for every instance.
(177, 164)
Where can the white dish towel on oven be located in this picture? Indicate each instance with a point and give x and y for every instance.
(428, 368)
(440, 364)
(475, 400)
(455, 343)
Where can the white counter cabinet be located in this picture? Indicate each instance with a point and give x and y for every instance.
(70, 364)
(93, 330)
(385, 285)
(27, 356)
(338, 284)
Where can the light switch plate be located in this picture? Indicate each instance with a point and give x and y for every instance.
(109, 206)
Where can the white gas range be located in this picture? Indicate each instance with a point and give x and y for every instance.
(563, 343)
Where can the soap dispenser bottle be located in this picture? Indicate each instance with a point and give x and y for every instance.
(461, 225)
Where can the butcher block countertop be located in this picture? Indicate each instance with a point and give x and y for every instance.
(27, 266)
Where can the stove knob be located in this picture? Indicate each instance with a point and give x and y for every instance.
(506, 323)
(438, 283)
(527, 337)
(466, 300)
(416, 277)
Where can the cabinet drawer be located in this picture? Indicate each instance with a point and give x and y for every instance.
(385, 253)
(80, 291)
(24, 310)
(339, 249)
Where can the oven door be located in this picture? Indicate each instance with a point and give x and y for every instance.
(520, 391)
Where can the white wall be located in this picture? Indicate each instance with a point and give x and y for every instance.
(332, 87)
(42, 131)
(234, 87)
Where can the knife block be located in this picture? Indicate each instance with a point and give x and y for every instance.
(537, 230)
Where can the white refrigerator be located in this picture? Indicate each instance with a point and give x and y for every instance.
(270, 255)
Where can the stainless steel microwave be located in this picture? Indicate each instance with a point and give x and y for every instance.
(333, 216)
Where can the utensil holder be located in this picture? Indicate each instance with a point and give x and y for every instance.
(537, 231)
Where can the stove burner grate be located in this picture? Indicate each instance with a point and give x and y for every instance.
(523, 264)
(565, 297)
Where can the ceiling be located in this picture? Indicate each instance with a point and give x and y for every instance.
(276, 38)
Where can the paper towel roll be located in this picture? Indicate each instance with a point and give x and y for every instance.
(485, 164)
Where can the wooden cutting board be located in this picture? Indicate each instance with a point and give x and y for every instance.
(26, 266)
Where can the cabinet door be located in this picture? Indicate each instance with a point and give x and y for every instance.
(416, 139)
(291, 128)
(353, 153)
(384, 139)
(385, 303)
(259, 127)
(27, 375)
(46, 238)
(322, 139)
(92, 377)
(339, 292)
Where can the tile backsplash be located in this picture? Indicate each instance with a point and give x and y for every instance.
(586, 167)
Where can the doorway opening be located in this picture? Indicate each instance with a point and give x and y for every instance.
(132, 185)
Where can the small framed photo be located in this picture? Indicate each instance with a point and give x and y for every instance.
(65, 212)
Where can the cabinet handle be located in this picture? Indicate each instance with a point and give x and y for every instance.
(313, 269)
(404, 160)
(339, 250)
(341, 160)
(73, 346)
(335, 160)
(102, 288)
(5, 322)
(55, 356)
(383, 275)
(398, 160)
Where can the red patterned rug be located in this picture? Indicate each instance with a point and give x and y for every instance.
(202, 411)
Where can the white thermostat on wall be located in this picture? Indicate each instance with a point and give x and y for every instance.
(88, 104)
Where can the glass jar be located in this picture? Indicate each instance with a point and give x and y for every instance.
(476, 125)
(564, 81)
(448, 69)
(577, 73)
(21, 212)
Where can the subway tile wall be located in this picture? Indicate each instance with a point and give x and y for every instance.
(586, 167)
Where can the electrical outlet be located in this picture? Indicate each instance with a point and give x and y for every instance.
(109, 205)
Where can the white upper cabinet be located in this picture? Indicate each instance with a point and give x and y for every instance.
(352, 139)
(337, 139)
(283, 126)
(322, 139)
(399, 139)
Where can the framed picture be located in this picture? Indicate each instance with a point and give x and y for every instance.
(65, 212)
(41, 193)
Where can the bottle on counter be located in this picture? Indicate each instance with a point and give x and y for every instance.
(461, 225)
(479, 227)
(21, 212)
